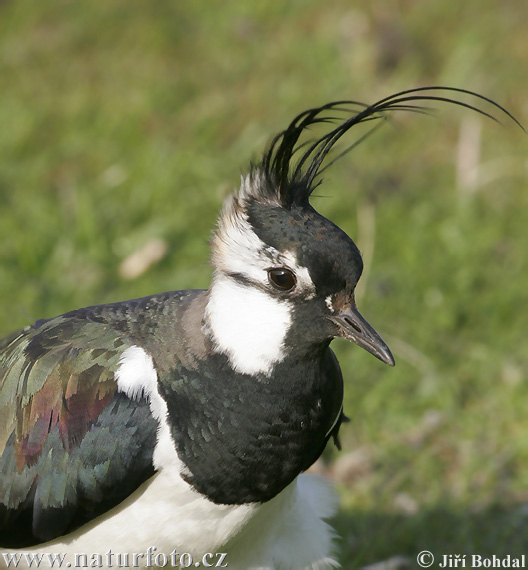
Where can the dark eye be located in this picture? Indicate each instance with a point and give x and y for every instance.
(282, 279)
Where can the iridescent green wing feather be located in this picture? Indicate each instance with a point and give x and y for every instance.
(63, 457)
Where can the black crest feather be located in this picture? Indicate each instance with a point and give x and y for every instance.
(294, 183)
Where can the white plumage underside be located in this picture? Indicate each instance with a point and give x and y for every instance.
(287, 533)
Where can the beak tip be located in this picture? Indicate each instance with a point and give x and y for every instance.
(356, 329)
(386, 356)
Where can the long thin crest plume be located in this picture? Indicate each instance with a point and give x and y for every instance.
(294, 183)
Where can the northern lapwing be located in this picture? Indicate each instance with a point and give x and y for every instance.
(184, 422)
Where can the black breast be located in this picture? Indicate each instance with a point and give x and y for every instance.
(245, 438)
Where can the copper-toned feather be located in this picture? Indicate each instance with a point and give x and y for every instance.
(60, 464)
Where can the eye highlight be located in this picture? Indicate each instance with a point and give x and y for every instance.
(282, 279)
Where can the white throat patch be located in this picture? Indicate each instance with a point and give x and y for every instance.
(247, 325)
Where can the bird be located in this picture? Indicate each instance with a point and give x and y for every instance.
(184, 423)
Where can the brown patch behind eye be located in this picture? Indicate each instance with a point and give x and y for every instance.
(342, 300)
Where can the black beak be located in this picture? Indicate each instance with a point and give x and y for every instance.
(354, 327)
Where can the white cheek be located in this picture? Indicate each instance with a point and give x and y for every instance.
(247, 325)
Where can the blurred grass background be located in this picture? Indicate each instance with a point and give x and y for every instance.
(124, 124)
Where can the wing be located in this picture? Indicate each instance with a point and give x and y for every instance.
(72, 446)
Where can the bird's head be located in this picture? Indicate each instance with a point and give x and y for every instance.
(285, 275)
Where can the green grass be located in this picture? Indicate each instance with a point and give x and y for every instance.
(127, 121)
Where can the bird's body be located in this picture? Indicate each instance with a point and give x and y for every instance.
(184, 422)
(208, 445)
(164, 506)
(216, 427)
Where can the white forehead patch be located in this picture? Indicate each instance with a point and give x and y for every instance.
(248, 325)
